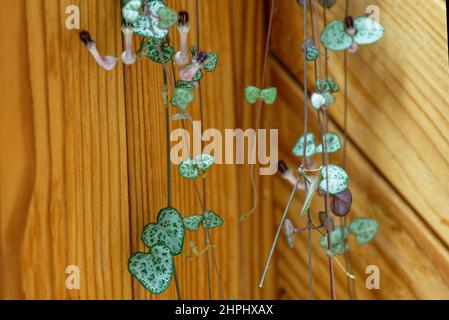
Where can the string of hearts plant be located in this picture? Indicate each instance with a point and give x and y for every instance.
(152, 20)
(329, 180)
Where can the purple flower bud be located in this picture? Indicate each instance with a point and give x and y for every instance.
(282, 167)
(183, 18)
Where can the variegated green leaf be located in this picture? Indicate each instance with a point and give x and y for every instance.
(211, 62)
(368, 30)
(269, 95)
(185, 84)
(327, 85)
(312, 54)
(167, 18)
(154, 270)
(334, 36)
(328, 98)
(204, 161)
(298, 150)
(332, 143)
(192, 223)
(168, 231)
(364, 229)
(188, 169)
(182, 97)
(338, 243)
(131, 10)
(252, 94)
(212, 220)
(151, 49)
(179, 116)
(147, 25)
(334, 177)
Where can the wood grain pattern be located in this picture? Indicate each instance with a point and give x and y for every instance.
(396, 115)
(407, 269)
(83, 168)
(89, 169)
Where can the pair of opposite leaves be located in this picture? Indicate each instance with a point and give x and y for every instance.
(153, 25)
(336, 38)
(192, 168)
(333, 176)
(155, 269)
(363, 229)
(324, 94)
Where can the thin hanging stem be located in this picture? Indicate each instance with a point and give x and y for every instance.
(259, 106)
(306, 121)
(178, 290)
(207, 235)
(167, 128)
(276, 238)
(343, 221)
(323, 132)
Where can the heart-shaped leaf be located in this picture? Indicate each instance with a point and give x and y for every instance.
(192, 223)
(290, 232)
(131, 10)
(338, 249)
(154, 270)
(298, 150)
(211, 62)
(310, 194)
(318, 100)
(151, 49)
(212, 220)
(185, 84)
(252, 94)
(179, 117)
(204, 161)
(168, 231)
(269, 95)
(334, 36)
(334, 177)
(327, 85)
(332, 143)
(368, 30)
(312, 53)
(188, 169)
(182, 97)
(338, 243)
(147, 25)
(341, 203)
(364, 229)
(167, 18)
(328, 98)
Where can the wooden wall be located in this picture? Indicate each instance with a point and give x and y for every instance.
(398, 116)
(82, 163)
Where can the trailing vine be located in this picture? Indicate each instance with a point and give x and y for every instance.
(329, 180)
(165, 238)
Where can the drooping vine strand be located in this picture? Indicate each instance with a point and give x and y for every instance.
(303, 161)
(167, 128)
(207, 240)
(278, 232)
(252, 167)
(343, 220)
(325, 155)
